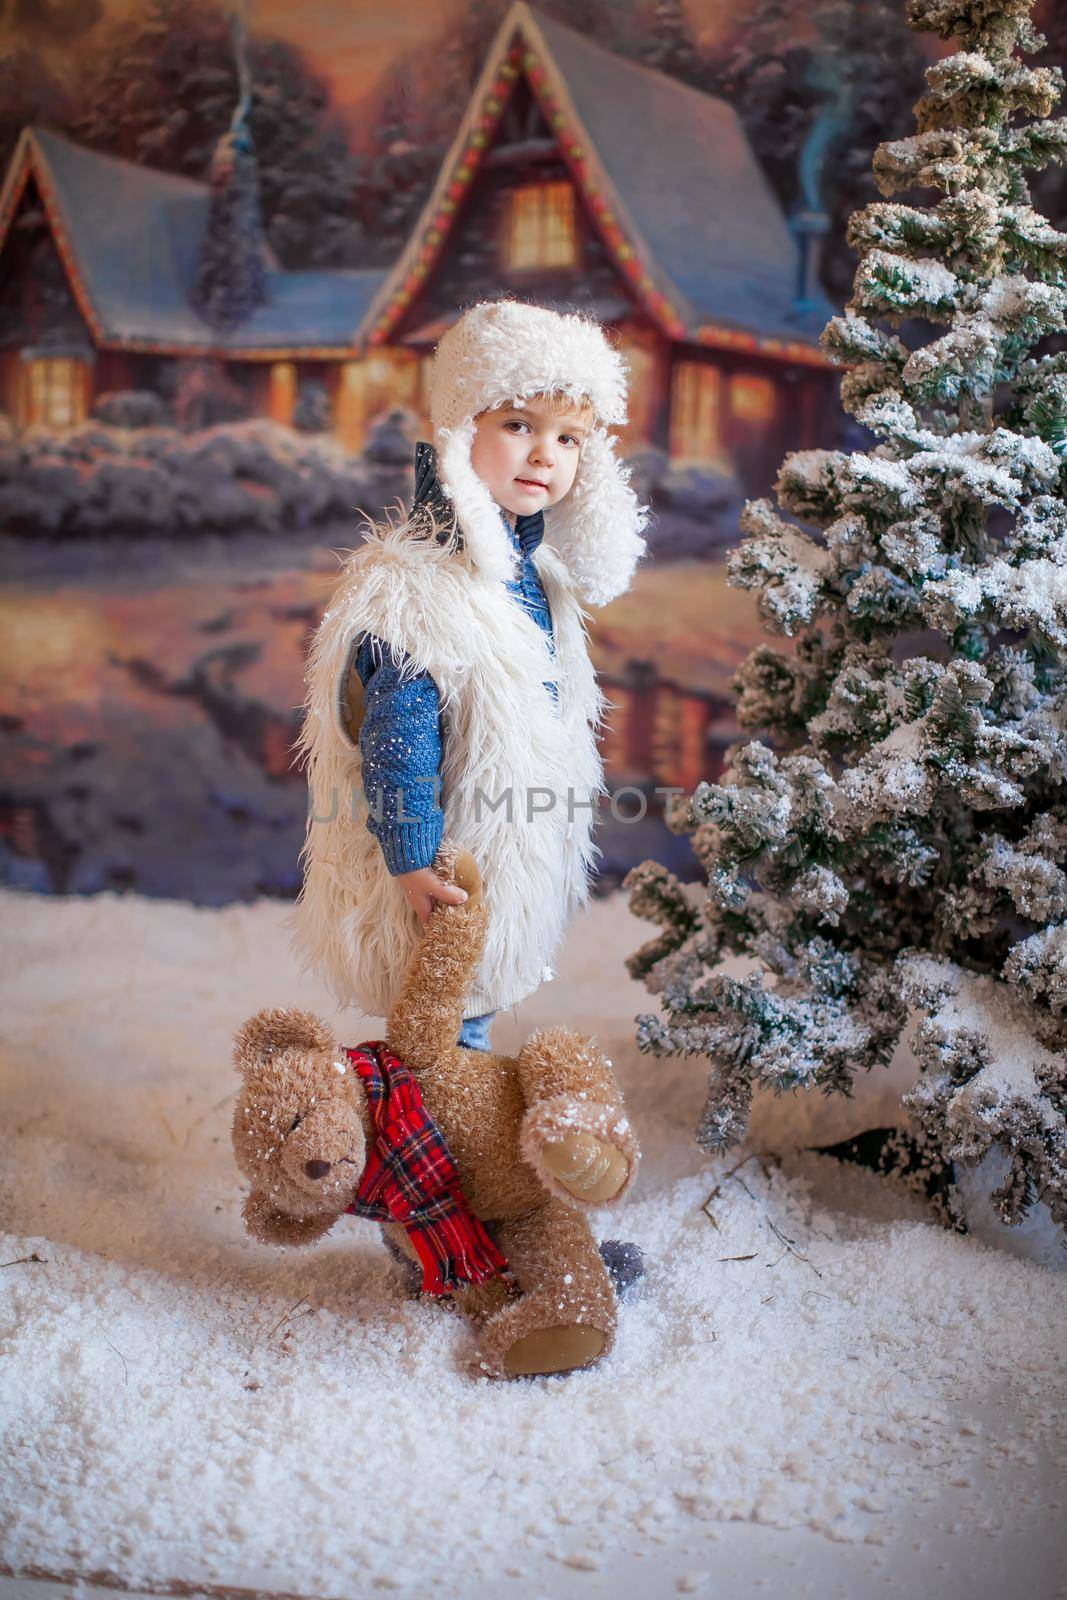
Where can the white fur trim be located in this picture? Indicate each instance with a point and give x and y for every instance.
(489, 659)
(501, 350)
(597, 526)
(506, 350)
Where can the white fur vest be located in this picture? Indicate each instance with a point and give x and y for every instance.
(521, 773)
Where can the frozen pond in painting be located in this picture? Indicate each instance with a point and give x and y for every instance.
(150, 695)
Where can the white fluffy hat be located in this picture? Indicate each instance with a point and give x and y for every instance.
(505, 350)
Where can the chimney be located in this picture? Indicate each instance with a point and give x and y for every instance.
(810, 228)
(826, 72)
(231, 273)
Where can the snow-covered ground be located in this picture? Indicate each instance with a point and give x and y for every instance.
(817, 1392)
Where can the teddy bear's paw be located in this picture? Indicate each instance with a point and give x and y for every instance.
(584, 1153)
(547, 1331)
(588, 1168)
(266, 1223)
(561, 1349)
(454, 864)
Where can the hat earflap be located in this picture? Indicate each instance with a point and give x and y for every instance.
(596, 528)
(485, 536)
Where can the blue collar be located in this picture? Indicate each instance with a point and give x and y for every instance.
(528, 531)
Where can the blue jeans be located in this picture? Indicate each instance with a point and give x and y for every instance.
(474, 1033)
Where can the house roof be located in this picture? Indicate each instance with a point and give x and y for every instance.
(683, 168)
(129, 237)
(666, 173)
(668, 176)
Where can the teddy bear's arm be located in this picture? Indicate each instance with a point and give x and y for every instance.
(556, 1061)
(575, 1132)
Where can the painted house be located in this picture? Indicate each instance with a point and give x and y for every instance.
(577, 179)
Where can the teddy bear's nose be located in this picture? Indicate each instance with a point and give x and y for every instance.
(316, 1169)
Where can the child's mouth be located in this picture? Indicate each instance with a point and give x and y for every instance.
(531, 483)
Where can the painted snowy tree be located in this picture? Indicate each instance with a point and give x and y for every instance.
(231, 278)
(902, 848)
(811, 87)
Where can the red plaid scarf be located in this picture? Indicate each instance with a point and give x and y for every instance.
(410, 1177)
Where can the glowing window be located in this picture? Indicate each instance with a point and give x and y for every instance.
(541, 228)
(282, 400)
(752, 398)
(369, 388)
(58, 391)
(638, 351)
(696, 432)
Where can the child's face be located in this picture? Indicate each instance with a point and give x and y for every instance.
(527, 455)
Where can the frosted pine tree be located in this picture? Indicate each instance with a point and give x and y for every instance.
(895, 864)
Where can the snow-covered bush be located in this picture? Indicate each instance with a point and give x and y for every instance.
(130, 408)
(391, 437)
(648, 466)
(698, 492)
(902, 852)
(87, 442)
(99, 480)
(128, 497)
(696, 507)
(312, 411)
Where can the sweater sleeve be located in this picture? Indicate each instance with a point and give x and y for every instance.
(400, 741)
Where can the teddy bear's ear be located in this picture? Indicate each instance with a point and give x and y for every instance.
(270, 1226)
(276, 1029)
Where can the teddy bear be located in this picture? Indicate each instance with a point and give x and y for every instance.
(535, 1141)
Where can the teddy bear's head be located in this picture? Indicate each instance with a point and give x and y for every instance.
(299, 1126)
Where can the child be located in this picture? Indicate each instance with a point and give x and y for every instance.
(450, 688)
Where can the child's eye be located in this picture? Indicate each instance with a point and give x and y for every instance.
(573, 437)
(516, 422)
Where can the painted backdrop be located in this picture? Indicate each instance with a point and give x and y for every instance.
(230, 237)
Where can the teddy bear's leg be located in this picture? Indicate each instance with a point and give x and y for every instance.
(565, 1316)
(478, 1301)
(395, 1239)
(575, 1134)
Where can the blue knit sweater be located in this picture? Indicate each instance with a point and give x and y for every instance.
(400, 738)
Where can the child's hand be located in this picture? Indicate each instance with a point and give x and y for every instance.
(424, 887)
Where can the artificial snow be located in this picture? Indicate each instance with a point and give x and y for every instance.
(891, 778)
(809, 1351)
(964, 1007)
(1029, 594)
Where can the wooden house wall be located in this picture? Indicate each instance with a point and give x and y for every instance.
(37, 305)
(472, 265)
(752, 447)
